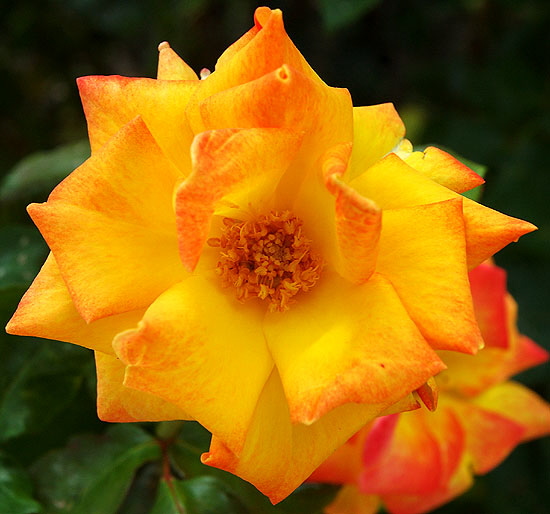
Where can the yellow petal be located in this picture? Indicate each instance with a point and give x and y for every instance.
(346, 343)
(171, 66)
(444, 169)
(240, 166)
(115, 213)
(393, 184)
(47, 310)
(214, 371)
(119, 404)
(111, 102)
(422, 253)
(293, 451)
(350, 501)
(377, 130)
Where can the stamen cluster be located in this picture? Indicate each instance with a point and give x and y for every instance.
(268, 258)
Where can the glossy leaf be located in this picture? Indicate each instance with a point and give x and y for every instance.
(93, 474)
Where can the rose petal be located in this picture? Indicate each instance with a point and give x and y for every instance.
(422, 250)
(111, 102)
(119, 404)
(520, 404)
(377, 130)
(179, 354)
(444, 169)
(47, 310)
(329, 354)
(115, 213)
(350, 501)
(393, 184)
(488, 284)
(171, 66)
(294, 450)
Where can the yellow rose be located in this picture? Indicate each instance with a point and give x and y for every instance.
(248, 251)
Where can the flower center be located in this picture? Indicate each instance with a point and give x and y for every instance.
(268, 258)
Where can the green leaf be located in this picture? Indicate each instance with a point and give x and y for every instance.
(341, 13)
(16, 490)
(92, 474)
(23, 252)
(200, 495)
(38, 379)
(40, 172)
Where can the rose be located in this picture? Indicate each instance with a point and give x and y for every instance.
(247, 251)
(416, 461)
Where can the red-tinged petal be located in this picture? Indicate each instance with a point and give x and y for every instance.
(444, 169)
(490, 436)
(393, 184)
(358, 221)
(413, 453)
(240, 166)
(344, 465)
(179, 354)
(429, 394)
(377, 129)
(119, 404)
(47, 310)
(115, 213)
(419, 504)
(329, 353)
(527, 354)
(171, 66)
(488, 284)
(294, 450)
(411, 464)
(350, 501)
(520, 404)
(111, 102)
(421, 250)
(262, 51)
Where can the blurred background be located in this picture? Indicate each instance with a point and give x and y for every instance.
(469, 75)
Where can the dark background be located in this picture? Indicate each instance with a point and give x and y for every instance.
(469, 75)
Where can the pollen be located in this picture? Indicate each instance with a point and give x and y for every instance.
(269, 258)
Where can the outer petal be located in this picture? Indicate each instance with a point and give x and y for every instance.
(444, 169)
(111, 102)
(328, 353)
(488, 284)
(116, 403)
(47, 310)
(113, 213)
(171, 66)
(240, 166)
(490, 436)
(422, 250)
(294, 451)
(377, 130)
(177, 353)
(520, 404)
(418, 504)
(422, 455)
(393, 184)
